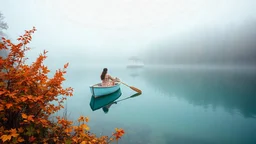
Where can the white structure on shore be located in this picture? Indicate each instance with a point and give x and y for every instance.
(135, 62)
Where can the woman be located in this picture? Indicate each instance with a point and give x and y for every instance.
(107, 80)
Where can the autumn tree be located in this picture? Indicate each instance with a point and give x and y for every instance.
(28, 97)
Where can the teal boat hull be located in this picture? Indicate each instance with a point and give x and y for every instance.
(98, 91)
(97, 103)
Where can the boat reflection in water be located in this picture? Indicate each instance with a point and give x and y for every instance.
(107, 101)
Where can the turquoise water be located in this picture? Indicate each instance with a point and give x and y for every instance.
(179, 105)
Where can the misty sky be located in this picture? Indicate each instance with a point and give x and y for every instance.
(118, 27)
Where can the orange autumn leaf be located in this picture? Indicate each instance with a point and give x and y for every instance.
(20, 139)
(12, 95)
(68, 130)
(8, 105)
(86, 119)
(84, 126)
(66, 65)
(13, 133)
(28, 118)
(1, 107)
(74, 139)
(5, 137)
(30, 97)
(20, 130)
(24, 116)
(119, 133)
(81, 118)
(2, 92)
(43, 121)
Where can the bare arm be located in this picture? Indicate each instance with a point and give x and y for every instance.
(110, 77)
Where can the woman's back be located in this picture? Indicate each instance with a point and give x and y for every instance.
(106, 81)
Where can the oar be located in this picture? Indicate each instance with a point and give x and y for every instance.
(133, 88)
(134, 95)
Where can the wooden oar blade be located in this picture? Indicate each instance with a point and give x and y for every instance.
(136, 89)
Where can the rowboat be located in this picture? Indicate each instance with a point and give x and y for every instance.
(97, 103)
(98, 91)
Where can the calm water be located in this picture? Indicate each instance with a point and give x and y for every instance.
(178, 105)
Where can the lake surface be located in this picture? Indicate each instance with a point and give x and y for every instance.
(179, 105)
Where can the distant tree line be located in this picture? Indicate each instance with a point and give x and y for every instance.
(3, 26)
(230, 45)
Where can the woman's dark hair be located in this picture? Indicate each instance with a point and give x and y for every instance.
(103, 74)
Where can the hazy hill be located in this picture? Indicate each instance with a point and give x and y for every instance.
(232, 44)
